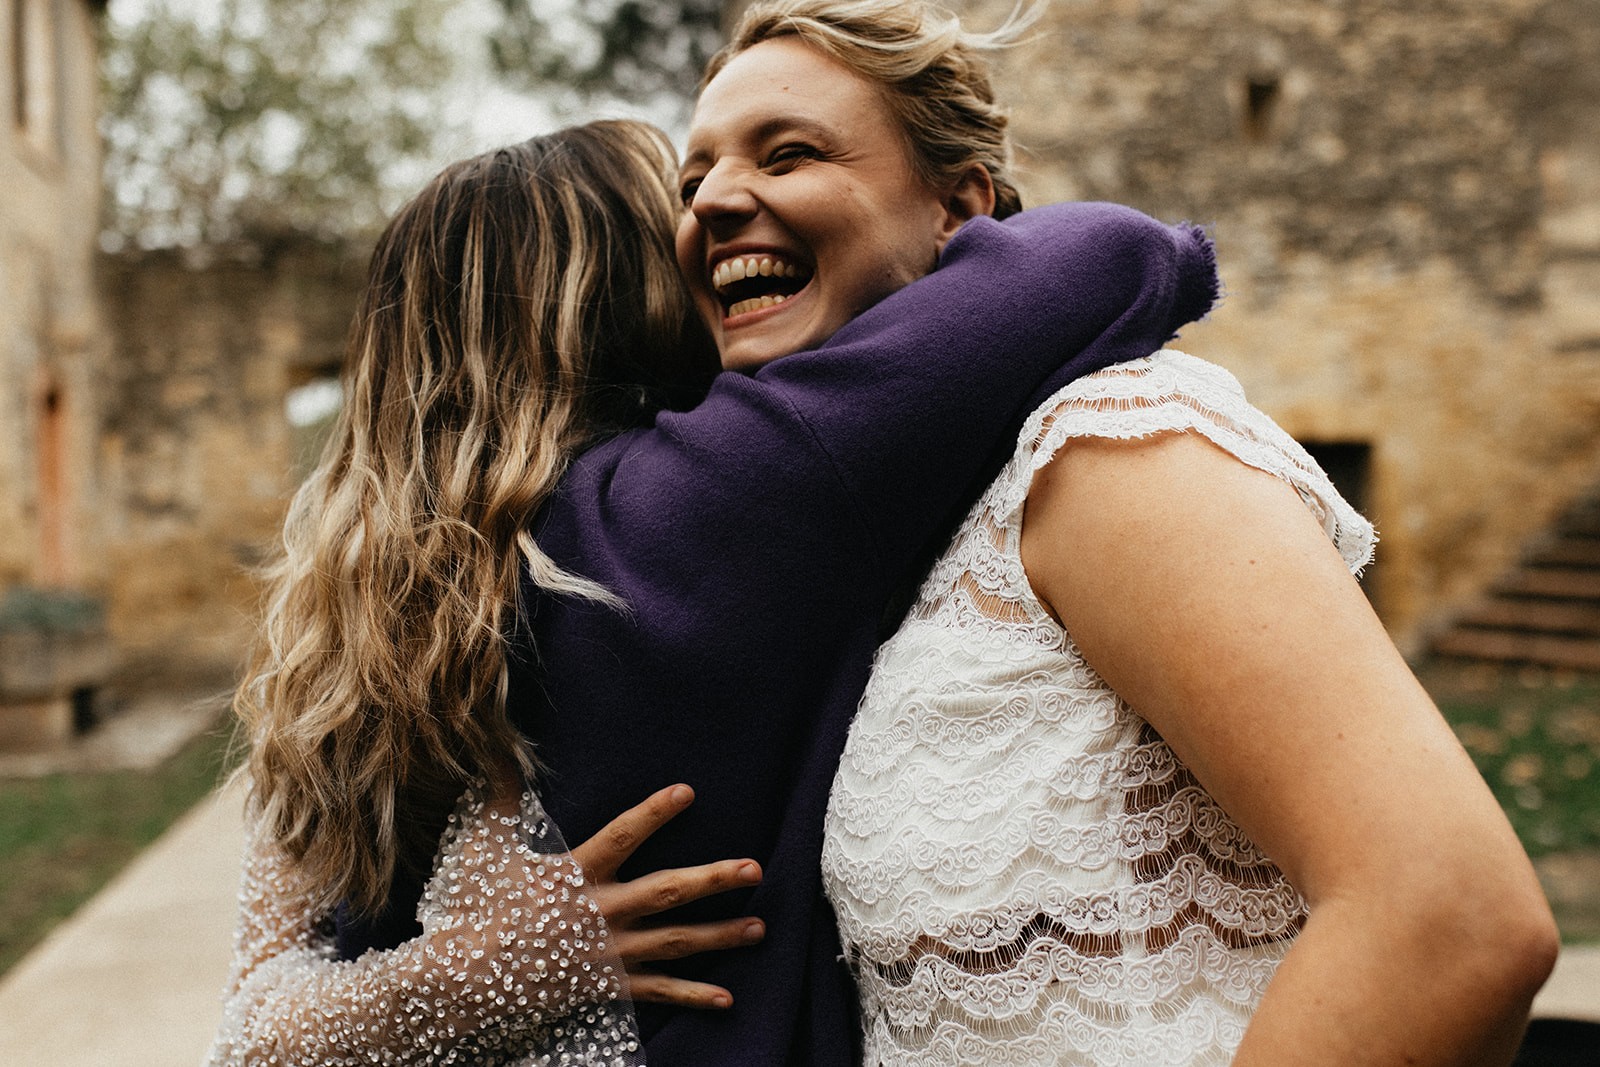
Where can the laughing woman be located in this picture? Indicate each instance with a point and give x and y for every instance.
(1141, 780)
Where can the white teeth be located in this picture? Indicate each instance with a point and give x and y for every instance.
(732, 270)
(755, 303)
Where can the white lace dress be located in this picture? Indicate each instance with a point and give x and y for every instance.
(1023, 871)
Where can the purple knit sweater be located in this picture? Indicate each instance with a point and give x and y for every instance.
(760, 539)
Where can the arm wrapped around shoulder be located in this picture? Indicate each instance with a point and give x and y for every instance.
(917, 401)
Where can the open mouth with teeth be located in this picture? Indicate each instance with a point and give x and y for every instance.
(750, 283)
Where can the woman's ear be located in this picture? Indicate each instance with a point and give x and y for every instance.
(972, 195)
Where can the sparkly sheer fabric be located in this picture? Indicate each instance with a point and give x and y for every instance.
(1023, 871)
(513, 965)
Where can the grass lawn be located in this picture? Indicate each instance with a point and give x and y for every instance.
(1535, 736)
(62, 837)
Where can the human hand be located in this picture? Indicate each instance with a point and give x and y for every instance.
(625, 904)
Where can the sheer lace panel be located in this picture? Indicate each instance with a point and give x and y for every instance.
(513, 964)
(1023, 871)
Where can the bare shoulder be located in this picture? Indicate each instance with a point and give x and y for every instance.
(1208, 596)
(1109, 514)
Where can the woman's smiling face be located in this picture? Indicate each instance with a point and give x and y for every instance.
(802, 208)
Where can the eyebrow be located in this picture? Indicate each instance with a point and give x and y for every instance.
(768, 130)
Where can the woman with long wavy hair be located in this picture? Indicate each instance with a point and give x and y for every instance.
(516, 310)
(513, 316)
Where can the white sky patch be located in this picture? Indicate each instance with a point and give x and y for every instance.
(281, 136)
(493, 114)
(309, 404)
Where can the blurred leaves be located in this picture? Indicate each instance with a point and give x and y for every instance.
(632, 49)
(253, 119)
(262, 117)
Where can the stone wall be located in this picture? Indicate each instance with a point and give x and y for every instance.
(52, 347)
(145, 458)
(1406, 200)
(197, 455)
(51, 340)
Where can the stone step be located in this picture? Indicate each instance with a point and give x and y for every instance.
(1575, 653)
(1580, 552)
(1545, 616)
(1548, 610)
(1564, 583)
(1584, 522)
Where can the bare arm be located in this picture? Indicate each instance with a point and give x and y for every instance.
(1208, 597)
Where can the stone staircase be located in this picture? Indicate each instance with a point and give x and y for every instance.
(1547, 611)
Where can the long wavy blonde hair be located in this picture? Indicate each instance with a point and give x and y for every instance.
(523, 304)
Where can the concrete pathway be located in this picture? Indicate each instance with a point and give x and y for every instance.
(1573, 991)
(134, 978)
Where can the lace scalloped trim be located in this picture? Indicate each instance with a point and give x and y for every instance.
(1173, 392)
(969, 855)
(1047, 969)
(1255, 905)
(1050, 771)
(1202, 1035)
(962, 725)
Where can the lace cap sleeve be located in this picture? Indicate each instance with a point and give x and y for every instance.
(1172, 392)
(513, 965)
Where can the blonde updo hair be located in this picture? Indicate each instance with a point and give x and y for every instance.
(934, 73)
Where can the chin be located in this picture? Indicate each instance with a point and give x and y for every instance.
(750, 354)
(772, 333)
(747, 360)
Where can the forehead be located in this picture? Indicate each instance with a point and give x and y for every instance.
(785, 82)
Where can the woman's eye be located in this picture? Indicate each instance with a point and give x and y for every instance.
(787, 156)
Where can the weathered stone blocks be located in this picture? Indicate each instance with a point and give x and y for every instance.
(1406, 200)
(55, 653)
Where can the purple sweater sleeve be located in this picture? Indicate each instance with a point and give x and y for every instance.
(893, 424)
(954, 362)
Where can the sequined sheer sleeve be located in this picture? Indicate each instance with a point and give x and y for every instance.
(513, 965)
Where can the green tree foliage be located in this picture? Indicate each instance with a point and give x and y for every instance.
(243, 119)
(236, 120)
(637, 50)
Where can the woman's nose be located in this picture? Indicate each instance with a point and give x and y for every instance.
(724, 199)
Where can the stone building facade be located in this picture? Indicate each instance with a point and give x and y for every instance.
(51, 339)
(198, 456)
(52, 352)
(1406, 202)
(145, 457)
